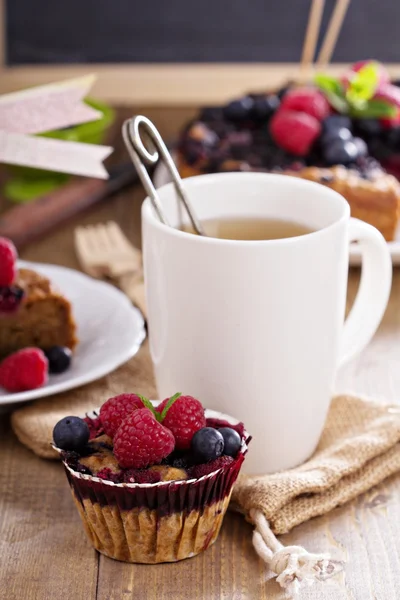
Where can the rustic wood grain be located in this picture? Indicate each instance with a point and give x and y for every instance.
(43, 551)
(42, 555)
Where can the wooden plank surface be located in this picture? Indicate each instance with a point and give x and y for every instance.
(43, 551)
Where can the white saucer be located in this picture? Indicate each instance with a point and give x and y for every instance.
(110, 331)
(161, 177)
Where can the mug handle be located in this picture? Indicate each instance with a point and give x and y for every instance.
(373, 293)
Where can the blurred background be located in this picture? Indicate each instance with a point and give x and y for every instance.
(42, 31)
(133, 44)
(165, 59)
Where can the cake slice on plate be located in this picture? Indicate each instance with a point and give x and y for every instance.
(32, 312)
(343, 133)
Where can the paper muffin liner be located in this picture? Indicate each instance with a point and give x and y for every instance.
(159, 522)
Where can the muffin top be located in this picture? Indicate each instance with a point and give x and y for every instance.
(132, 441)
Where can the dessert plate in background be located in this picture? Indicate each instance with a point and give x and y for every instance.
(161, 177)
(110, 331)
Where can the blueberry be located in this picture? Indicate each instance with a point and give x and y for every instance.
(392, 138)
(336, 122)
(368, 127)
(378, 149)
(362, 148)
(71, 433)
(232, 441)
(207, 444)
(59, 359)
(180, 459)
(193, 151)
(211, 113)
(264, 106)
(239, 110)
(240, 142)
(330, 135)
(340, 152)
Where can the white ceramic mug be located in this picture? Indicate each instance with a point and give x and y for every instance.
(255, 328)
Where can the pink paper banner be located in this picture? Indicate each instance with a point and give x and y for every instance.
(54, 155)
(47, 107)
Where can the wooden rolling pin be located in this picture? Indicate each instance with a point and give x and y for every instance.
(27, 222)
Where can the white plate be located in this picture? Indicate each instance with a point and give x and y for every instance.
(110, 331)
(161, 177)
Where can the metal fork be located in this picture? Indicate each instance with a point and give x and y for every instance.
(104, 252)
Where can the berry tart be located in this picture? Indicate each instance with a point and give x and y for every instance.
(343, 133)
(151, 482)
(32, 312)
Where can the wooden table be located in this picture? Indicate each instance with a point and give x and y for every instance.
(44, 554)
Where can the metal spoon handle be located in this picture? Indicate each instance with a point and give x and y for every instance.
(141, 155)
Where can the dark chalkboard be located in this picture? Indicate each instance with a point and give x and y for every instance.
(109, 31)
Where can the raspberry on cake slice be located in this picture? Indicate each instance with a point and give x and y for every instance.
(8, 259)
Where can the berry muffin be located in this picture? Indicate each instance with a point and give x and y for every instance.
(151, 482)
(343, 133)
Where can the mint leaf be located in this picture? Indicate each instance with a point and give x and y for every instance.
(329, 84)
(373, 109)
(169, 404)
(358, 100)
(148, 405)
(332, 88)
(362, 86)
(337, 103)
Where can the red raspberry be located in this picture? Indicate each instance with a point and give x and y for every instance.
(95, 427)
(388, 93)
(184, 418)
(116, 409)
(389, 122)
(142, 441)
(8, 257)
(24, 370)
(200, 470)
(308, 100)
(294, 131)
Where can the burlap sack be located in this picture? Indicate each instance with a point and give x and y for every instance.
(358, 449)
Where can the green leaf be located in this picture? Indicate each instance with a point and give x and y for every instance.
(337, 103)
(329, 84)
(362, 86)
(374, 109)
(169, 404)
(148, 405)
(332, 88)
